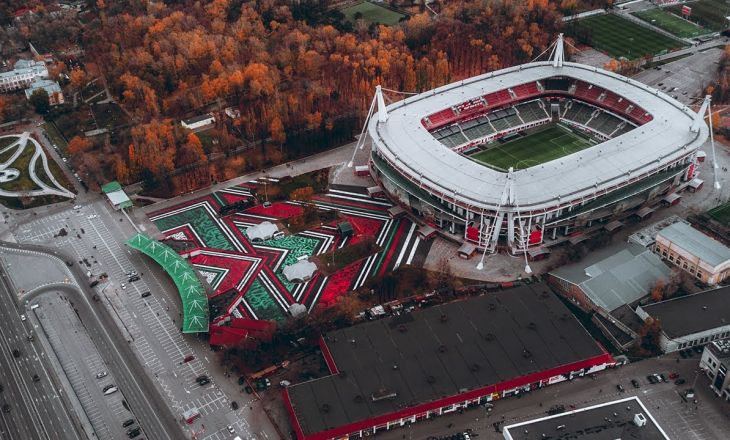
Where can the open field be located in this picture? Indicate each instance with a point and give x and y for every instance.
(721, 214)
(619, 37)
(708, 13)
(372, 13)
(671, 23)
(533, 149)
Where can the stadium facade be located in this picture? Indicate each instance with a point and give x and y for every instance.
(645, 148)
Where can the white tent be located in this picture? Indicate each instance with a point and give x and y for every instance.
(262, 232)
(300, 271)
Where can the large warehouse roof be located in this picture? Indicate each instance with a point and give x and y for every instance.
(691, 314)
(403, 140)
(617, 275)
(403, 361)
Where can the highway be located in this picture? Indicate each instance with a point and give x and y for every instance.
(36, 409)
(139, 392)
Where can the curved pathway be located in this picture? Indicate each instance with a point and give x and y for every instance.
(44, 189)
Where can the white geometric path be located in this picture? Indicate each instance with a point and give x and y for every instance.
(44, 190)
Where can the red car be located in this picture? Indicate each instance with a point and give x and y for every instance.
(673, 376)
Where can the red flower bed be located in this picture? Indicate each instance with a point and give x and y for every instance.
(277, 210)
(339, 283)
(363, 227)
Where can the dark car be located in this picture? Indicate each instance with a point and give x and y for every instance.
(94, 284)
(36, 378)
(6, 408)
(651, 379)
(146, 294)
(133, 278)
(132, 433)
(129, 422)
(203, 382)
(248, 389)
(663, 377)
(698, 349)
(635, 383)
(620, 388)
(680, 381)
(16, 353)
(683, 354)
(201, 378)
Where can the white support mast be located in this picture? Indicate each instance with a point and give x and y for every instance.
(558, 53)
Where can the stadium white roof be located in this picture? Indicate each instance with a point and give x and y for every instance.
(403, 140)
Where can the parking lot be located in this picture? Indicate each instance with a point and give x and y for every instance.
(685, 78)
(709, 419)
(96, 236)
(81, 362)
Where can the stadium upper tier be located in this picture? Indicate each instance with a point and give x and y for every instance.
(663, 136)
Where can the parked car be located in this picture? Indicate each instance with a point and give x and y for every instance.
(663, 377)
(133, 432)
(129, 422)
(111, 390)
(108, 387)
(22, 317)
(36, 378)
(680, 381)
(620, 388)
(101, 374)
(673, 375)
(284, 383)
(188, 358)
(146, 294)
(651, 379)
(635, 383)
(133, 278)
(6, 408)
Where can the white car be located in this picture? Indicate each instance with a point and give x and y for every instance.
(22, 317)
(230, 429)
(111, 390)
(124, 286)
(101, 374)
(77, 207)
(92, 216)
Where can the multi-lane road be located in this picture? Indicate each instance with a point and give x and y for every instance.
(35, 409)
(140, 395)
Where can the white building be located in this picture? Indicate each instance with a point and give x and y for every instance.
(198, 121)
(23, 74)
(691, 320)
(715, 362)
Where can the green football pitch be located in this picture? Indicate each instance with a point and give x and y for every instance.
(721, 214)
(532, 149)
(619, 37)
(671, 23)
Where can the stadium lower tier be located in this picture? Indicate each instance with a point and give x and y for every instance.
(508, 228)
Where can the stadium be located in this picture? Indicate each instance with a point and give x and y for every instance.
(528, 157)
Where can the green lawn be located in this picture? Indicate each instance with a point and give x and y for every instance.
(708, 13)
(533, 149)
(54, 135)
(671, 23)
(619, 37)
(21, 163)
(721, 214)
(373, 13)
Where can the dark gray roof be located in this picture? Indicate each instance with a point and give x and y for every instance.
(696, 243)
(693, 313)
(616, 275)
(607, 421)
(441, 351)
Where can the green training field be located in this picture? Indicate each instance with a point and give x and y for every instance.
(619, 37)
(671, 23)
(533, 149)
(372, 13)
(721, 214)
(708, 13)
